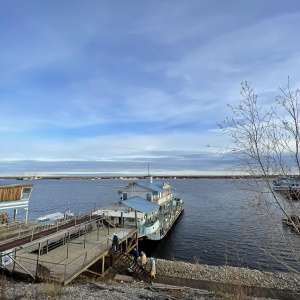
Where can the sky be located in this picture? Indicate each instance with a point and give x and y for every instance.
(110, 87)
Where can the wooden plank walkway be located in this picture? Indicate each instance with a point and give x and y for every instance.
(37, 232)
(63, 255)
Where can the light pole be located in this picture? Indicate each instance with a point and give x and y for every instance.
(26, 215)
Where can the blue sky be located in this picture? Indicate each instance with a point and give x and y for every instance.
(106, 87)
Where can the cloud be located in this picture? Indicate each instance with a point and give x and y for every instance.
(145, 80)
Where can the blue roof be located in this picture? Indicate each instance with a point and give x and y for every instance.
(140, 204)
(155, 186)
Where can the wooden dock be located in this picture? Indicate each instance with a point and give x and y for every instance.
(62, 255)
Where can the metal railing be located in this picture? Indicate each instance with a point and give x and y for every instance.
(60, 271)
(17, 230)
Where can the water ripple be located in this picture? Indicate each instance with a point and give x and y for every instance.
(220, 224)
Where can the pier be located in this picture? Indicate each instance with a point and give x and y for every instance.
(61, 254)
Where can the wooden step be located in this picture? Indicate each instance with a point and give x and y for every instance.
(138, 270)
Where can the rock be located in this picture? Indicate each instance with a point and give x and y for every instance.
(140, 290)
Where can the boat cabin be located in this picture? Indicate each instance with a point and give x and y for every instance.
(126, 212)
(157, 192)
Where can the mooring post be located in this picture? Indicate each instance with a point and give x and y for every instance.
(84, 236)
(136, 221)
(37, 261)
(68, 245)
(15, 257)
(103, 265)
(85, 259)
(47, 246)
(32, 235)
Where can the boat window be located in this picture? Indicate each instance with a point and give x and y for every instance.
(149, 197)
(124, 196)
(25, 193)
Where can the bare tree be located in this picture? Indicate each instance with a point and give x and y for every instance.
(265, 144)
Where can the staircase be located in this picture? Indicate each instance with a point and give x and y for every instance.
(107, 223)
(138, 270)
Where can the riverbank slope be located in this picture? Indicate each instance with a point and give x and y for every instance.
(87, 287)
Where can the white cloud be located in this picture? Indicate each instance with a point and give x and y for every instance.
(149, 79)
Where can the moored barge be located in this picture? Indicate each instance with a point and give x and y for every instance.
(149, 205)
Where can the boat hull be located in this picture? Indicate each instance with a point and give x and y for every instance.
(161, 233)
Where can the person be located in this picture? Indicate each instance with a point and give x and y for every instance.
(143, 259)
(136, 254)
(115, 242)
(152, 267)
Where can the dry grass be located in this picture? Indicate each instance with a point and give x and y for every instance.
(48, 290)
(197, 265)
(3, 288)
(233, 279)
(173, 258)
(234, 284)
(52, 289)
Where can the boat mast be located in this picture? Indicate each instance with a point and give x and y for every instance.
(149, 177)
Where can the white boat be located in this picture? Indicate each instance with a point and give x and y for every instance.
(148, 204)
(55, 218)
(282, 183)
(287, 185)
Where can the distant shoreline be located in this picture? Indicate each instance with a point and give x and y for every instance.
(130, 177)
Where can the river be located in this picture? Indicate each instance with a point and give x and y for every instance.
(220, 225)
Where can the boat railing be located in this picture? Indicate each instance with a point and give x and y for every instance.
(151, 222)
(149, 228)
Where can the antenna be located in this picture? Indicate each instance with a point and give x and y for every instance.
(149, 177)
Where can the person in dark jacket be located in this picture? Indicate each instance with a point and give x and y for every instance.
(136, 255)
(115, 242)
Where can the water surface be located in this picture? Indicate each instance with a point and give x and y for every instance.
(220, 223)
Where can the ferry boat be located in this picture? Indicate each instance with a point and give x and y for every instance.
(149, 205)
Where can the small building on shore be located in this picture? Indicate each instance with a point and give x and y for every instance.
(12, 198)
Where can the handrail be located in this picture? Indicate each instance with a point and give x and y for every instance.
(21, 266)
(85, 253)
